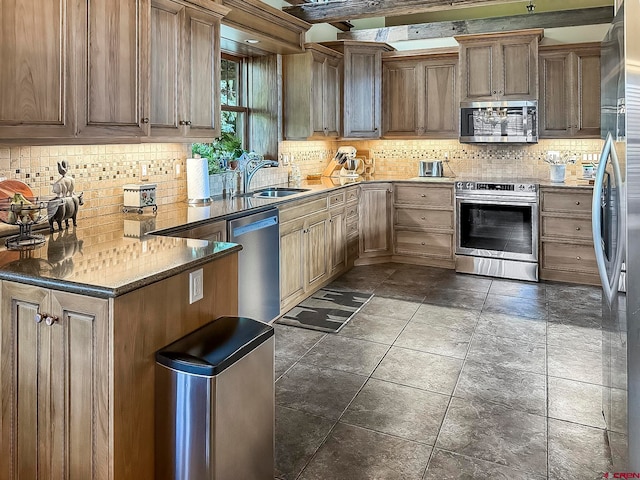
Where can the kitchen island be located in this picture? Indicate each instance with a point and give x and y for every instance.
(81, 319)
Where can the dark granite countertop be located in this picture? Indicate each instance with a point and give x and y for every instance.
(114, 254)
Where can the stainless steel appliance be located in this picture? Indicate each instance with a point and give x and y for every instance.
(616, 229)
(430, 169)
(497, 229)
(499, 122)
(258, 263)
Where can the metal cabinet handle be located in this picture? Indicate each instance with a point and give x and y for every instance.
(50, 320)
(185, 122)
(578, 229)
(577, 203)
(578, 258)
(188, 122)
(423, 243)
(423, 195)
(423, 218)
(39, 318)
(145, 120)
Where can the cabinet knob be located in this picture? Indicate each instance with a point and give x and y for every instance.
(577, 229)
(38, 318)
(423, 243)
(50, 320)
(145, 120)
(578, 258)
(185, 122)
(494, 92)
(423, 195)
(577, 203)
(423, 218)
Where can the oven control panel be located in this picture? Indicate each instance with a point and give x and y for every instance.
(496, 187)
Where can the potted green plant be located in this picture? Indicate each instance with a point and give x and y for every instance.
(225, 149)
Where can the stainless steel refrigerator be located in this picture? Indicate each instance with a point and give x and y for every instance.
(616, 233)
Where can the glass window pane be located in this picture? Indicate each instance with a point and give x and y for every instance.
(229, 82)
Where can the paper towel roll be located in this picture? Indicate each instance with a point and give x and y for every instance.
(198, 181)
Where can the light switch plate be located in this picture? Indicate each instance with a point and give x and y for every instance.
(196, 286)
(144, 174)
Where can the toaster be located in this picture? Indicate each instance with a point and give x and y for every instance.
(430, 169)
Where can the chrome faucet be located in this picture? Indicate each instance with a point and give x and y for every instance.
(251, 168)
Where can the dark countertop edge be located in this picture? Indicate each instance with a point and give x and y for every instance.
(106, 292)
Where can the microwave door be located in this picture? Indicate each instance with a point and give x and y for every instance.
(607, 220)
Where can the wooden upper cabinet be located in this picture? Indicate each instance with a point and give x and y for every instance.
(185, 70)
(499, 66)
(112, 56)
(420, 97)
(311, 101)
(570, 91)
(361, 87)
(36, 94)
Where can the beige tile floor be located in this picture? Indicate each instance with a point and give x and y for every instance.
(445, 376)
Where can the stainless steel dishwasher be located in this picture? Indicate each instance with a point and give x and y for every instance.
(258, 263)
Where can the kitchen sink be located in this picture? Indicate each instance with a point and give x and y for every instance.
(278, 192)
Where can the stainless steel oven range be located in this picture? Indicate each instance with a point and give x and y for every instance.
(497, 229)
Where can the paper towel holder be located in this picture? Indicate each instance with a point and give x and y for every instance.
(198, 192)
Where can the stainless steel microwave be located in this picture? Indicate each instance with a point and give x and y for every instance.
(499, 122)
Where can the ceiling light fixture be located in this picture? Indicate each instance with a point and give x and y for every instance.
(252, 41)
(531, 7)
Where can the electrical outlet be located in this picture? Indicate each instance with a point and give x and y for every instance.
(177, 164)
(144, 174)
(196, 286)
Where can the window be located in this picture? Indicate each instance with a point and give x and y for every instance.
(234, 113)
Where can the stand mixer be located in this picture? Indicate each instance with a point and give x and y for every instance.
(352, 166)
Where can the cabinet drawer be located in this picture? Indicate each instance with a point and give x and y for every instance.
(431, 196)
(414, 217)
(336, 199)
(423, 244)
(294, 210)
(352, 210)
(352, 194)
(571, 201)
(352, 227)
(563, 256)
(579, 228)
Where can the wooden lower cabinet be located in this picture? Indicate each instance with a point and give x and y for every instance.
(566, 245)
(77, 397)
(304, 256)
(375, 220)
(55, 391)
(423, 224)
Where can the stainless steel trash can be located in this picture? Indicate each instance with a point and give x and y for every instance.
(215, 403)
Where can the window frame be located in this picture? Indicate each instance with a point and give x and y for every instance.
(242, 98)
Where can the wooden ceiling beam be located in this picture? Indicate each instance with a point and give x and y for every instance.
(423, 31)
(342, 26)
(340, 10)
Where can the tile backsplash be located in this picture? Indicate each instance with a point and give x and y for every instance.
(399, 158)
(100, 171)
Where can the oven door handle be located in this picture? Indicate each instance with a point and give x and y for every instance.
(609, 285)
(479, 199)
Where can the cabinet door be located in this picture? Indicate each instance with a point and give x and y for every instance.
(79, 403)
(167, 19)
(214, 232)
(517, 75)
(292, 259)
(587, 90)
(316, 242)
(113, 59)
(477, 63)
(555, 95)
(317, 96)
(375, 220)
(25, 429)
(401, 98)
(338, 240)
(331, 97)
(202, 75)
(36, 97)
(362, 93)
(441, 105)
